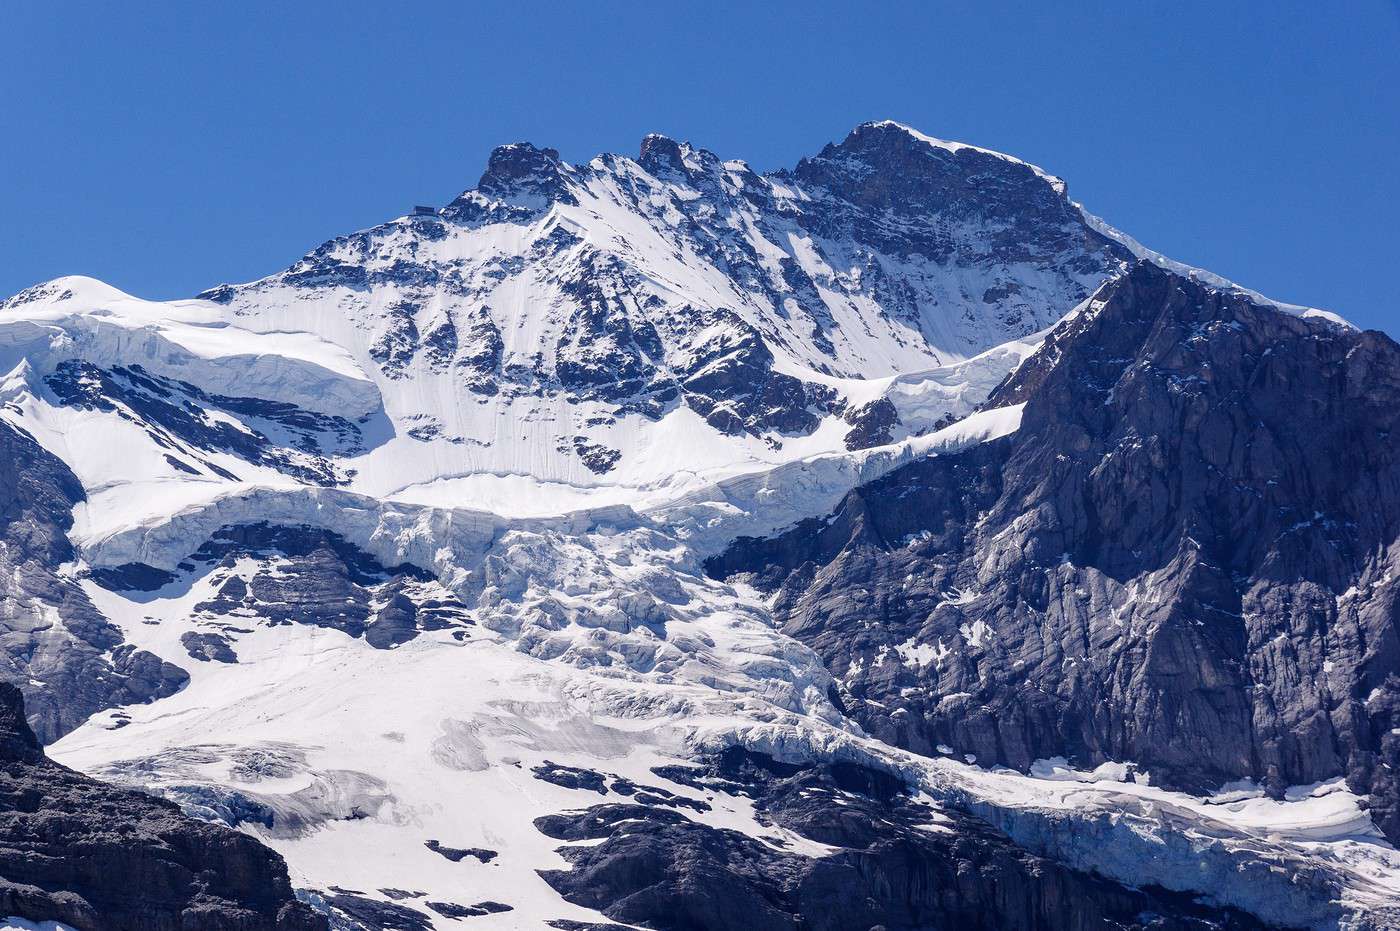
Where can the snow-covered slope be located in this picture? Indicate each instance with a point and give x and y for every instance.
(156, 405)
(588, 655)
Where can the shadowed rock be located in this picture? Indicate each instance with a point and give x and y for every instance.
(895, 864)
(1182, 559)
(69, 660)
(98, 858)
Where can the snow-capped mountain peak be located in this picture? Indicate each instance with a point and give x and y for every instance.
(613, 307)
(631, 329)
(886, 127)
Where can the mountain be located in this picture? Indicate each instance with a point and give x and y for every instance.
(614, 310)
(881, 542)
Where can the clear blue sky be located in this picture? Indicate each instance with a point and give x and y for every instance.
(166, 147)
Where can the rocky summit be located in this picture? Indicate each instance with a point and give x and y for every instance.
(882, 542)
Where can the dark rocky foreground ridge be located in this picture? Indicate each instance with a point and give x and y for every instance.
(98, 858)
(894, 864)
(1185, 558)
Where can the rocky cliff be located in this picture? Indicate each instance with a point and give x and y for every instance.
(70, 660)
(98, 858)
(1184, 558)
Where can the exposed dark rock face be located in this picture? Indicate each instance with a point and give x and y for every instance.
(208, 647)
(898, 864)
(54, 643)
(520, 170)
(590, 780)
(458, 854)
(105, 859)
(479, 355)
(882, 173)
(885, 167)
(356, 912)
(300, 575)
(400, 894)
(176, 415)
(399, 342)
(570, 777)
(610, 351)
(729, 380)
(440, 344)
(1184, 557)
(598, 458)
(871, 424)
(456, 910)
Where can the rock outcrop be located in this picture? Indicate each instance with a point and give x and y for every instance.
(54, 643)
(268, 574)
(894, 863)
(99, 858)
